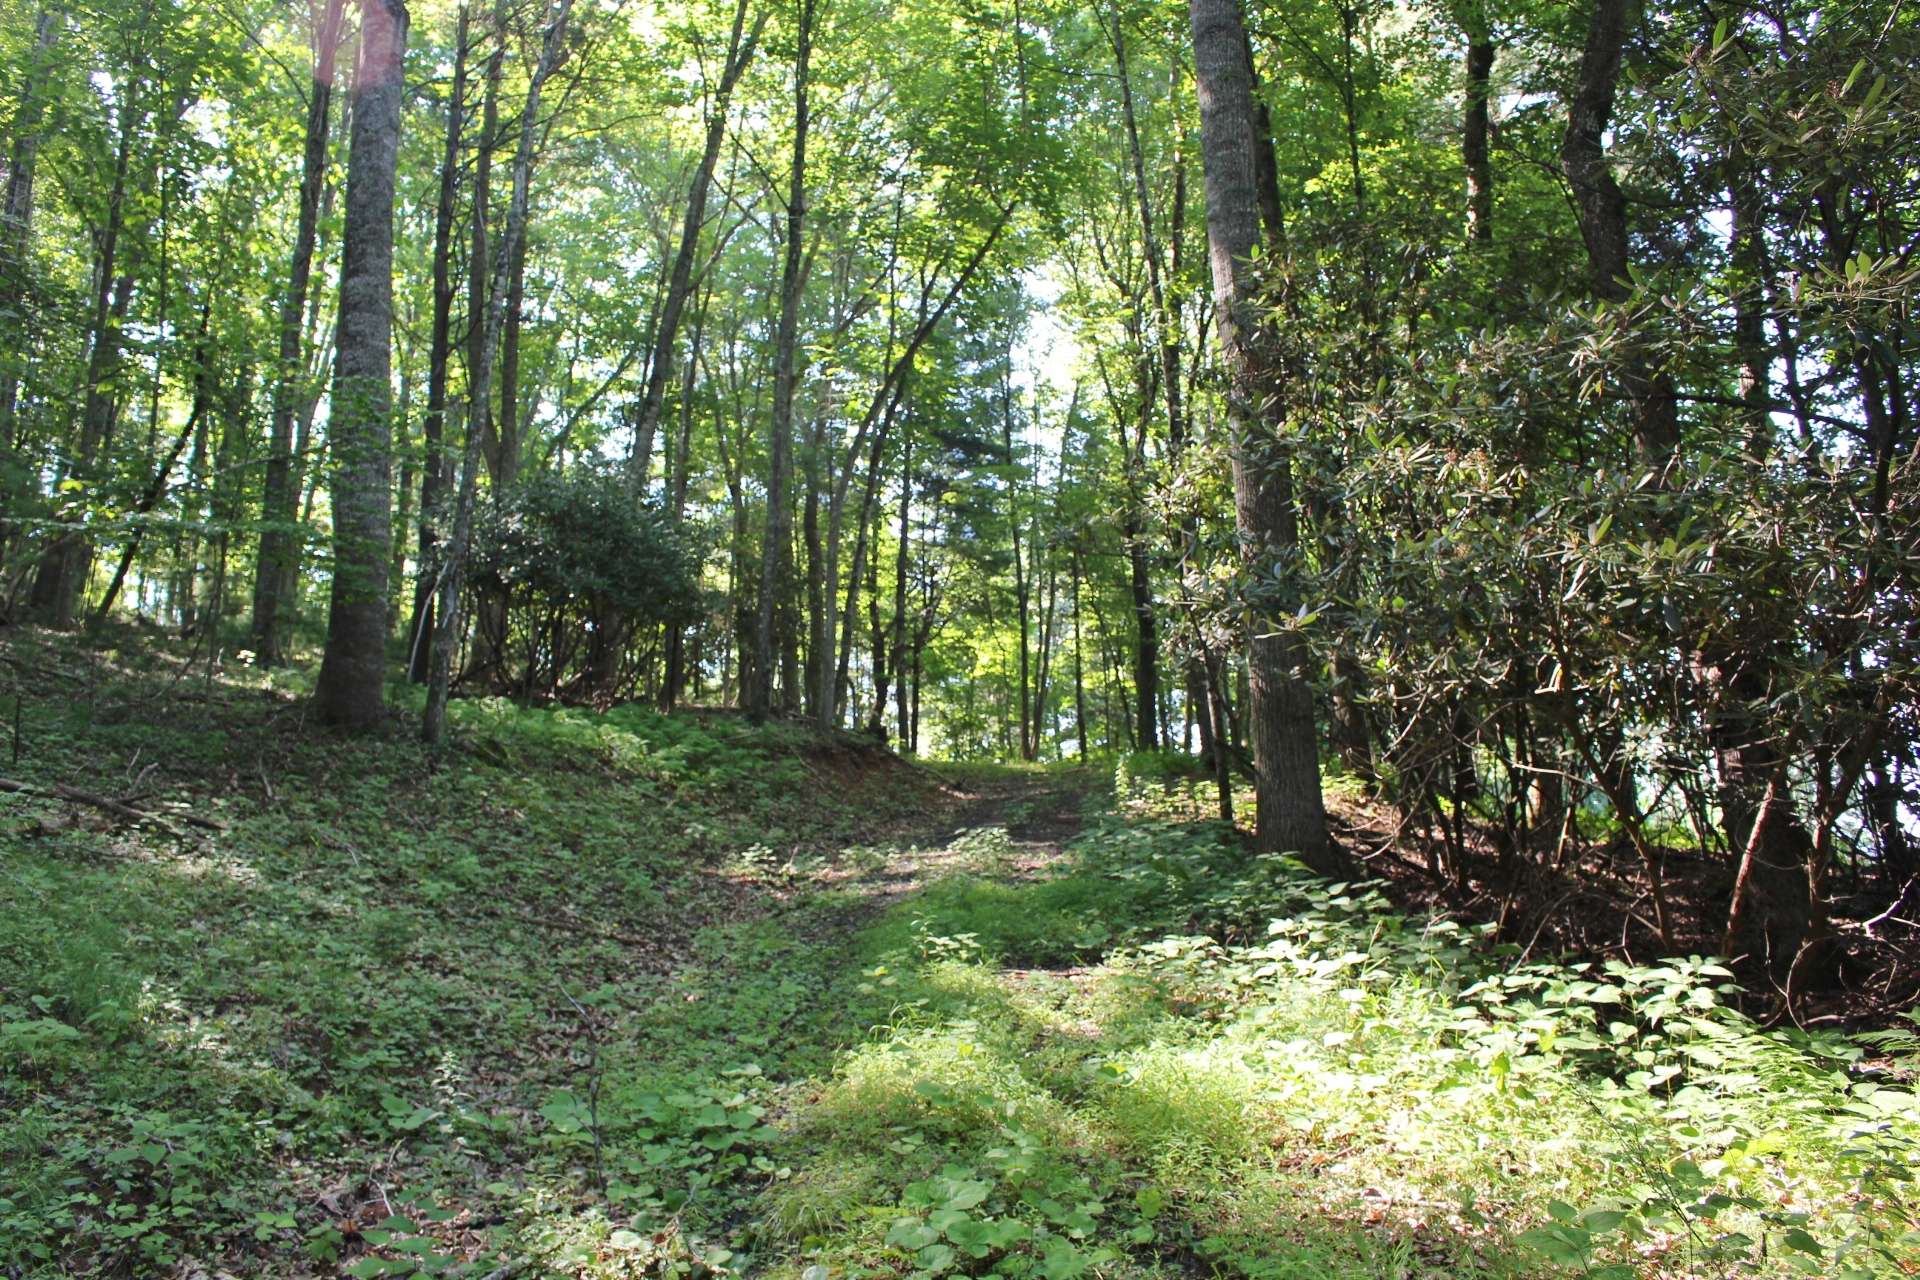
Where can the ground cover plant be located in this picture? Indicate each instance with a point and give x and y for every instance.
(594, 994)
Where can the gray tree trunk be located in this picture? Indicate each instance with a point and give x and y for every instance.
(740, 51)
(352, 672)
(63, 569)
(437, 476)
(16, 223)
(775, 551)
(1290, 816)
(433, 723)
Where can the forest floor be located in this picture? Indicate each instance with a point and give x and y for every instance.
(621, 994)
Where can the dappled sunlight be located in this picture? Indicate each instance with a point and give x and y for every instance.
(1359, 1094)
(605, 1001)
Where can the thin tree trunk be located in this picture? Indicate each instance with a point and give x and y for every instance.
(62, 570)
(879, 414)
(1474, 131)
(773, 562)
(1021, 587)
(16, 225)
(506, 462)
(901, 557)
(740, 50)
(437, 476)
(433, 722)
(157, 487)
(480, 251)
(842, 682)
(677, 483)
(281, 495)
(819, 625)
(1079, 667)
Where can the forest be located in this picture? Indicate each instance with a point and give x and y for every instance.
(969, 638)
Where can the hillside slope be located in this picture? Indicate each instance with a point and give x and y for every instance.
(625, 995)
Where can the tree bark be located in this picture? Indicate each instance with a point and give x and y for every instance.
(1022, 586)
(16, 225)
(437, 473)
(63, 569)
(157, 487)
(480, 418)
(1474, 132)
(740, 51)
(779, 534)
(1290, 815)
(434, 720)
(349, 691)
(281, 496)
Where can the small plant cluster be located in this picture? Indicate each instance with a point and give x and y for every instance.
(670, 1164)
(1015, 1215)
(1742, 1115)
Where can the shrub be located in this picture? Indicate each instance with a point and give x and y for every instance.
(568, 568)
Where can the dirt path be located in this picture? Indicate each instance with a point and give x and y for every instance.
(1039, 814)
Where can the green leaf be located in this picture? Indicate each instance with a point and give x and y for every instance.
(1796, 1238)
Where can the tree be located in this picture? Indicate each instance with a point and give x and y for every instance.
(434, 721)
(1290, 815)
(274, 567)
(350, 689)
(779, 527)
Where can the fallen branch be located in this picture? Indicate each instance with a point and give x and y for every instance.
(106, 804)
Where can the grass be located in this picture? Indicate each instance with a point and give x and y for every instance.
(1353, 1094)
(630, 995)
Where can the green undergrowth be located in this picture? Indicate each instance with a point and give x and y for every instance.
(337, 1004)
(1171, 1059)
(624, 995)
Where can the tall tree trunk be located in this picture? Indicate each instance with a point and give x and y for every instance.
(901, 557)
(878, 418)
(1022, 587)
(437, 474)
(508, 435)
(16, 225)
(678, 481)
(1079, 667)
(349, 691)
(63, 569)
(434, 720)
(819, 625)
(865, 521)
(280, 498)
(480, 419)
(1168, 340)
(740, 50)
(1290, 814)
(157, 487)
(773, 564)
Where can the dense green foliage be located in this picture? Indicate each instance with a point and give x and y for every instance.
(602, 996)
(1600, 426)
(1468, 450)
(570, 560)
